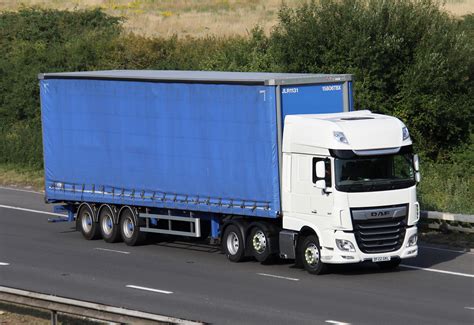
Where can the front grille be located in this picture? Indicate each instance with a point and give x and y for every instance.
(380, 230)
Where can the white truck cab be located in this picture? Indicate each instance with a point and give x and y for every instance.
(349, 179)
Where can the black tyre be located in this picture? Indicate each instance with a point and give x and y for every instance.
(260, 244)
(130, 231)
(85, 222)
(108, 229)
(389, 265)
(310, 255)
(233, 244)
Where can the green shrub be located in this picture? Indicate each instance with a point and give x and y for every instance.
(447, 185)
(34, 41)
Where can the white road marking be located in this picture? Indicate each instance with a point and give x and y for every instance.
(4, 264)
(35, 211)
(336, 322)
(278, 276)
(20, 190)
(111, 250)
(438, 271)
(471, 308)
(447, 250)
(149, 289)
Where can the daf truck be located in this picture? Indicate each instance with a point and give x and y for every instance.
(267, 165)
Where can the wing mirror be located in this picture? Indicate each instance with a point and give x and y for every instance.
(416, 163)
(320, 169)
(321, 176)
(321, 184)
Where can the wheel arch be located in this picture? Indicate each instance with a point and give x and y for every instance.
(112, 209)
(132, 210)
(95, 215)
(242, 225)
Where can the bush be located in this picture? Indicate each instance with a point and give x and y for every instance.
(34, 41)
(447, 185)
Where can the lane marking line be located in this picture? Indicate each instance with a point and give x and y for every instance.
(471, 308)
(35, 211)
(111, 250)
(278, 276)
(4, 264)
(20, 190)
(149, 289)
(438, 271)
(336, 322)
(447, 250)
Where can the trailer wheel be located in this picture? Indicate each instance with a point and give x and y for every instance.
(233, 244)
(85, 220)
(130, 231)
(260, 245)
(310, 255)
(109, 230)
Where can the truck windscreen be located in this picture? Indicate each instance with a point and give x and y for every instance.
(374, 173)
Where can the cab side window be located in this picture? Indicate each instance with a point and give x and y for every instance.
(327, 164)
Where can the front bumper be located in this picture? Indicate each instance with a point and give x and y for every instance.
(337, 256)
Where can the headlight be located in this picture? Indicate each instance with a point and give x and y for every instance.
(412, 240)
(345, 245)
(340, 137)
(406, 134)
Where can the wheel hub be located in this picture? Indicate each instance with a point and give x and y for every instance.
(259, 242)
(128, 227)
(87, 222)
(107, 224)
(233, 243)
(311, 255)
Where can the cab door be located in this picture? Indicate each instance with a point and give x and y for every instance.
(305, 197)
(322, 200)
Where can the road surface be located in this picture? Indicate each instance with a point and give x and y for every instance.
(194, 281)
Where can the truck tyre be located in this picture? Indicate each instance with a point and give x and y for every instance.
(310, 255)
(109, 230)
(130, 231)
(260, 245)
(389, 265)
(85, 220)
(233, 244)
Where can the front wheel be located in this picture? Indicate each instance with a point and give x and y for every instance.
(310, 255)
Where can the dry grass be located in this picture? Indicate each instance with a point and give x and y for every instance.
(21, 177)
(192, 17)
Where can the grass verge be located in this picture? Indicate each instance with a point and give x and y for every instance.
(450, 239)
(11, 175)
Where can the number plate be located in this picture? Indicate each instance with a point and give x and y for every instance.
(381, 259)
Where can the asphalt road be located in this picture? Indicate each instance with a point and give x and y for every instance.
(195, 281)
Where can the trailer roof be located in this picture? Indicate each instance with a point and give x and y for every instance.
(252, 78)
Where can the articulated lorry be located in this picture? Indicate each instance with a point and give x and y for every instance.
(266, 164)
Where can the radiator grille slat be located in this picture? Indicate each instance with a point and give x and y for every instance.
(380, 234)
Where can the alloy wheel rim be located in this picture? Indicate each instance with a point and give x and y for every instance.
(87, 222)
(107, 224)
(259, 242)
(311, 255)
(233, 243)
(128, 227)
